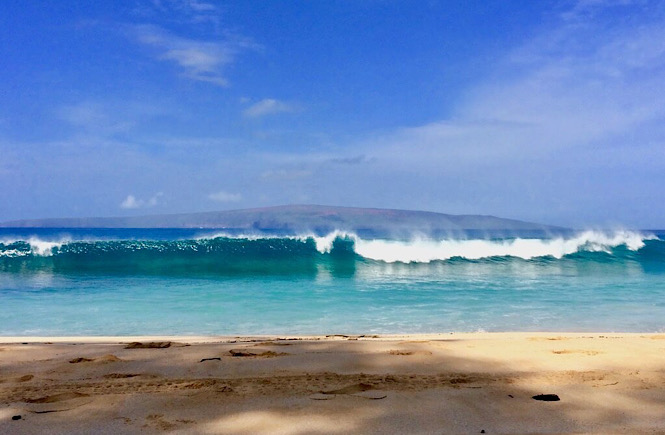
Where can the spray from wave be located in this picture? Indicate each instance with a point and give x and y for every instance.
(425, 250)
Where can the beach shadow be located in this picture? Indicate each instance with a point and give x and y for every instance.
(333, 386)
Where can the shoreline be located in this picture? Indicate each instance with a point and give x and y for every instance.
(404, 383)
(207, 339)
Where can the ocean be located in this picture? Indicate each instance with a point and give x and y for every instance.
(93, 282)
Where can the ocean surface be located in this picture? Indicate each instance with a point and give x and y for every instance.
(140, 282)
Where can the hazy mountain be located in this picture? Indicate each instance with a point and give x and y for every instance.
(299, 218)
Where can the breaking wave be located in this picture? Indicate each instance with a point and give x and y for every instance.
(222, 253)
(425, 250)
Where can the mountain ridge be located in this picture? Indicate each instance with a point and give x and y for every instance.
(297, 218)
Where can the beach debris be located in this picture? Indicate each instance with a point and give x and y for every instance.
(547, 397)
(150, 345)
(239, 353)
(80, 360)
(121, 375)
(409, 352)
(25, 378)
(211, 359)
(16, 417)
(246, 353)
(400, 352)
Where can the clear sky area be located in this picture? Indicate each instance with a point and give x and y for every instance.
(548, 111)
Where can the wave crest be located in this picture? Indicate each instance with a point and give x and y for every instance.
(426, 250)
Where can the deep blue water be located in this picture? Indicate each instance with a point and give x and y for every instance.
(129, 282)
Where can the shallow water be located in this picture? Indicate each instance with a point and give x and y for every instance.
(128, 282)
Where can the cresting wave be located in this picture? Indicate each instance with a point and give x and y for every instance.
(226, 247)
(425, 251)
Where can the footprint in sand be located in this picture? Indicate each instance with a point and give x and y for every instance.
(264, 354)
(410, 352)
(58, 402)
(150, 345)
(102, 359)
(273, 343)
(366, 391)
(121, 375)
(80, 360)
(584, 352)
(158, 421)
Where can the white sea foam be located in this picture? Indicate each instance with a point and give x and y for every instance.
(13, 253)
(426, 250)
(39, 247)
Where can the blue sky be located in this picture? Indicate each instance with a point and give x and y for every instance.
(545, 111)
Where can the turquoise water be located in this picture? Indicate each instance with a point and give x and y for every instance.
(128, 282)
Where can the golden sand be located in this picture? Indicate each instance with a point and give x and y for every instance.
(447, 383)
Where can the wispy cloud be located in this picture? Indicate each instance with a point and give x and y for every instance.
(552, 94)
(267, 106)
(223, 196)
(585, 9)
(543, 130)
(204, 61)
(201, 6)
(183, 10)
(356, 160)
(106, 118)
(131, 202)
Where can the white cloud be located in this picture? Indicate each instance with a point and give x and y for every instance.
(200, 60)
(267, 106)
(223, 196)
(574, 87)
(131, 202)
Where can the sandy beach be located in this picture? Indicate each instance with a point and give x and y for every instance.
(448, 383)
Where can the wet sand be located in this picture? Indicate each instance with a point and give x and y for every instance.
(444, 383)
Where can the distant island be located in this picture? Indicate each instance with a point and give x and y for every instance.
(301, 218)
